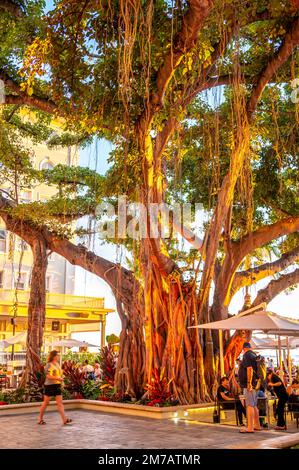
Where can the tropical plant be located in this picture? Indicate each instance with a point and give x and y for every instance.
(11, 397)
(91, 389)
(112, 339)
(74, 378)
(108, 359)
(157, 389)
(35, 384)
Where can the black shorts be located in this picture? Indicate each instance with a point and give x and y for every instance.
(52, 390)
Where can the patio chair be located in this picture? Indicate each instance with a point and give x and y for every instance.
(293, 408)
(226, 406)
(3, 381)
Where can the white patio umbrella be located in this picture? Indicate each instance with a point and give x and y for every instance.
(72, 343)
(268, 322)
(263, 343)
(20, 338)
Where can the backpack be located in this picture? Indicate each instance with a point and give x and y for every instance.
(261, 373)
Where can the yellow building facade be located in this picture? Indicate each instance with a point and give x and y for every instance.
(66, 313)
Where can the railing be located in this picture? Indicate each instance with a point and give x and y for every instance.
(54, 300)
(5, 357)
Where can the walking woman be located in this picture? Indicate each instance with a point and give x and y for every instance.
(276, 383)
(53, 383)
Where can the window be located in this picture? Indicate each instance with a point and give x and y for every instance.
(3, 241)
(20, 281)
(46, 164)
(1, 279)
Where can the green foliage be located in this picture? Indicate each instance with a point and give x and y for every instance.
(12, 397)
(112, 339)
(91, 390)
(79, 358)
(74, 378)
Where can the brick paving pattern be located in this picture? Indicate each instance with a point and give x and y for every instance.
(92, 430)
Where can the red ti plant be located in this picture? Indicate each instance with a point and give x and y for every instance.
(74, 377)
(107, 360)
(158, 389)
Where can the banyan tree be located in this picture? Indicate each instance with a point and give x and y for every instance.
(199, 99)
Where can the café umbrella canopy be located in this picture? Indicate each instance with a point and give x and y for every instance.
(20, 338)
(256, 319)
(72, 343)
(263, 343)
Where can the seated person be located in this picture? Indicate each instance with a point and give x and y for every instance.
(88, 369)
(228, 402)
(97, 371)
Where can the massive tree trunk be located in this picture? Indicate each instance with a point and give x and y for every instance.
(130, 370)
(36, 311)
(173, 348)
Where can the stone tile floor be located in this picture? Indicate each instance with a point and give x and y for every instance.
(92, 430)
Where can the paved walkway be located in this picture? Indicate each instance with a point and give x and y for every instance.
(92, 430)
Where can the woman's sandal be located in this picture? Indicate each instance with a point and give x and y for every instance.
(68, 421)
(41, 422)
(245, 431)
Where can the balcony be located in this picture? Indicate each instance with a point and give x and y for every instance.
(54, 301)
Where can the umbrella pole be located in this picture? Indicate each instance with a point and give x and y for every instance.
(289, 361)
(279, 352)
(221, 353)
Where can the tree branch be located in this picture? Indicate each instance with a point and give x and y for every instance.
(226, 193)
(23, 98)
(205, 82)
(116, 276)
(262, 236)
(250, 242)
(290, 41)
(253, 275)
(183, 42)
(276, 286)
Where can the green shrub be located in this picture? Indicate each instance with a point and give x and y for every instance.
(13, 397)
(79, 358)
(66, 394)
(91, 389)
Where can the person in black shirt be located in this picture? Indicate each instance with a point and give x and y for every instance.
(248, 378)
(275, 382)
(228, 401)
